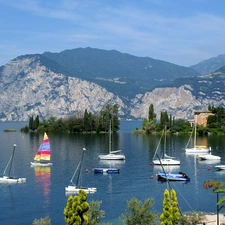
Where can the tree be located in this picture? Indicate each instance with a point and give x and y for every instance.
(151, 113)
(31, 121)
(139, 213)
(148, 126)
(164, 119)
(76, 207)
(94, 213)
(215, 185)
(166, 217)
(174, 207)
(171, 214)
(42, 221)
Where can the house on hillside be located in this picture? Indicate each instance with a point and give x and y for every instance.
(201, 116)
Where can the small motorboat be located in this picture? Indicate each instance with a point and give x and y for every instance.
(174, 176)
(106, 170)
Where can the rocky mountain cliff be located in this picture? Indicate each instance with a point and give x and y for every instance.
(36, 85)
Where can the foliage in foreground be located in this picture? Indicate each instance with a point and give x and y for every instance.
(139, 213)
(43, 221)
(76, 208)
(94, 213)
(171, 212)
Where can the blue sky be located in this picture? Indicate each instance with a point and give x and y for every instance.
(183, 32)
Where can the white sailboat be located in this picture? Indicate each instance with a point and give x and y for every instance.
(220, 167)
(8, 178)
(43, 155)
(196, 148)
(207, 157)
(75, 188)
(165, 160)
(112, 154)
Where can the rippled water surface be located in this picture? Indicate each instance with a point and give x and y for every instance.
(43, 194)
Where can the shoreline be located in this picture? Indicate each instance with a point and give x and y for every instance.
(211, 219)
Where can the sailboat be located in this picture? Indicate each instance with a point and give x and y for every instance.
(7, 178)
(207, 157)
(196, 148)
(165, 160)
(76, 188)
(43, 155)
(112, 154)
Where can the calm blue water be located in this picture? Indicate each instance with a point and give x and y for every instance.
(44, 192)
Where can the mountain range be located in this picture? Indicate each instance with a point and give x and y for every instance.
(66, 83)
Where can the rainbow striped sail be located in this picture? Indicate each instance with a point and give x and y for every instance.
(44, 152)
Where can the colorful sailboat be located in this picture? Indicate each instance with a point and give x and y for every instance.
(43, 155)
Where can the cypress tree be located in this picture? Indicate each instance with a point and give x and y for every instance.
(76, 207)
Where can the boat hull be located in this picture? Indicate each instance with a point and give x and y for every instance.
(6, 179)
(166, 162)
(106, 170)
(208, 157)
(74, 189)
(176, 176)
(111, 157)
(220, 167)
(197, 150)
(33, 164)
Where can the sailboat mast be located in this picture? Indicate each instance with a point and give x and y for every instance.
(11, 163)
(110, 138)
(164, 143)
(78, 178)
(195, 136)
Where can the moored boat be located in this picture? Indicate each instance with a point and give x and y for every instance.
(207, 157)
(175, 176)
(220, 167)
(106, 170)
(196, 148)
(43, 155)
(9, 178)
(75, 188)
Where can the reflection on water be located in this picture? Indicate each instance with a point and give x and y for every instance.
(171, 168)
(112, 163)
(43, 175)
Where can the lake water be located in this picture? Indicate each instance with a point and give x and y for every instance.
(43, 194)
